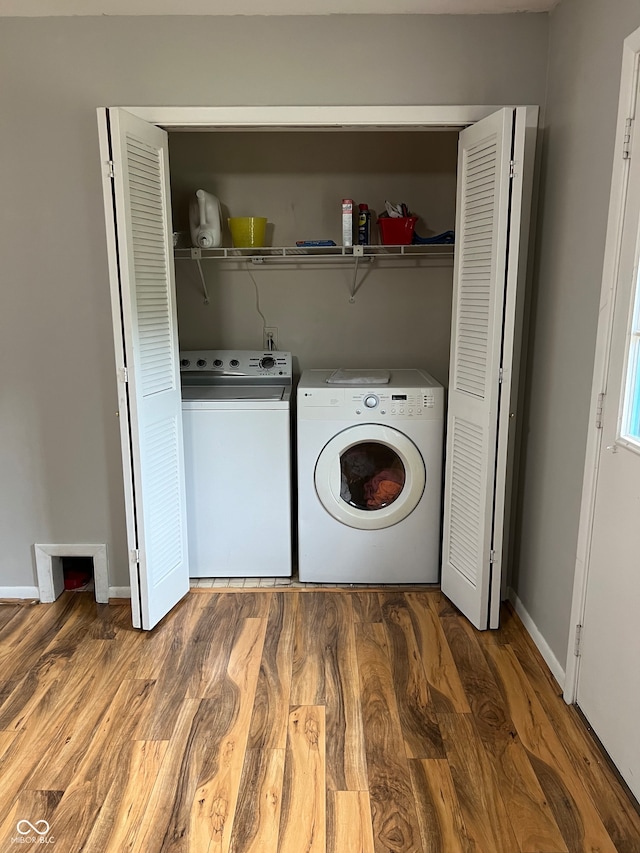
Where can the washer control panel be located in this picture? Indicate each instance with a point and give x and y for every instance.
(248, 363)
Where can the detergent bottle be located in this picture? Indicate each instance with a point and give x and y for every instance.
(205, 221)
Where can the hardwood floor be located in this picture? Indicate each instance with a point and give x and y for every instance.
(293, 722)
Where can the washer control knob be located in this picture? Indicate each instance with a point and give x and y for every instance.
(268, 362)
(234, 362)
(201, 362)
(371, 401)
(185, 362)
(217, 362)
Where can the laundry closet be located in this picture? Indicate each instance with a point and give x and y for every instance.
(400, 315)
(294, 166)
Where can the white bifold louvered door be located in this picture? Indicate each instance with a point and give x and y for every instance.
(151, 382)
(482, 339)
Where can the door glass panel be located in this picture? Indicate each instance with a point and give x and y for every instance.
(631, 412)
(372, 475)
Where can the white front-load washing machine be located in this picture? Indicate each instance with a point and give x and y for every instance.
(369, 449)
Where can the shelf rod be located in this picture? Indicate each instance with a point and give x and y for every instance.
(307, 259)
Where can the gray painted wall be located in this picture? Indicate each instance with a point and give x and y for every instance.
(586, 39)
(59, 457)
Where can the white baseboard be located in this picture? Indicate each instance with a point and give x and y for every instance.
(119, 592)
(28, 592)
(19, 592)
(543, 647)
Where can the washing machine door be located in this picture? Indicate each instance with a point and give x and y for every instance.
(370, 476)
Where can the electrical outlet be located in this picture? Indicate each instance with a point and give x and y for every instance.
(270, 338)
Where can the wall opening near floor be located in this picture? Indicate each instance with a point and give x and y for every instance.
(77, 573)
(72, 567)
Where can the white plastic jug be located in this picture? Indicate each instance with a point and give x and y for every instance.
(205, 221)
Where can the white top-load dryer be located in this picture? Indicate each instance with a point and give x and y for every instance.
(237, 448)
(370, 450)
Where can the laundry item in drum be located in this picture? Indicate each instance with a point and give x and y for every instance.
(372, 476)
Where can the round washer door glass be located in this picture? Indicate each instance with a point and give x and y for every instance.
(370, 476)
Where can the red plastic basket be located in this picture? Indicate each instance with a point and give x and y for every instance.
(396, 230)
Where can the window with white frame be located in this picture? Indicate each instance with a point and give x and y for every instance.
(631, 409)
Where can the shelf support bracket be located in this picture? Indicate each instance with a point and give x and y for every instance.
(196, 255)
(358, 252)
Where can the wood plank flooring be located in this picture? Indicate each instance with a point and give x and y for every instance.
(294, 721)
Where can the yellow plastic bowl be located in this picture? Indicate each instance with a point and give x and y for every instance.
(247, 231)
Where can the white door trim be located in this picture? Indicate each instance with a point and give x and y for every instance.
(50, 575)
(626, 109)
(317, 117)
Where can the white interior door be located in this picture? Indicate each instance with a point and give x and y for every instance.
(495, 164)
(609, 671)
(143, 297)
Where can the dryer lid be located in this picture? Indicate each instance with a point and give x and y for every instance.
(359, 377)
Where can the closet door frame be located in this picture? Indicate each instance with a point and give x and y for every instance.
(239, 118)
(378, 117)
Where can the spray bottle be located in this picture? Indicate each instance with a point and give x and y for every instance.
(364, 225)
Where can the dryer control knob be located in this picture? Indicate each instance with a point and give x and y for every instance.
(185, 362)
(268, 362)
(371, 401)
(201, 362)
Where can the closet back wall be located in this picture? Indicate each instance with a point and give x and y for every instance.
(401, 316)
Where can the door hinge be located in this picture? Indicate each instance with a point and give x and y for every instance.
(110, 169)
(599, 408)
(626, 140)
(576, 648)
(124, 374)
(500, 376)
(512, 168)
(492, 556)
(135, 555)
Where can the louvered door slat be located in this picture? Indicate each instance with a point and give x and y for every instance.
(160, 578)
(479, 279)
(146, 193)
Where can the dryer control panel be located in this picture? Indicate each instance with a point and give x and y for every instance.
(371, 404)
(404, 403)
